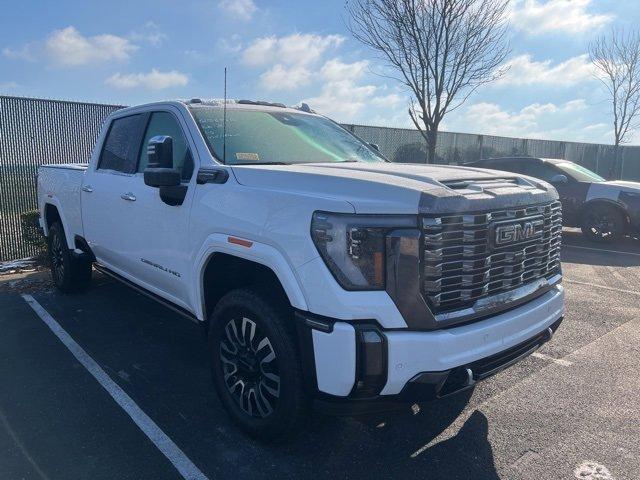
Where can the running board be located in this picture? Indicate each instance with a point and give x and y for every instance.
(179, 310)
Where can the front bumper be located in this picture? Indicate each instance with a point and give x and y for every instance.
(358, 367)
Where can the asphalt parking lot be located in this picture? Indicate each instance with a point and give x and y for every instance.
(570, 409)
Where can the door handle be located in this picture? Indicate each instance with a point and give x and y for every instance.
(130, 197)
(87, 188)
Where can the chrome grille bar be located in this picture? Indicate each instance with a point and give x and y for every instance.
(461, 264)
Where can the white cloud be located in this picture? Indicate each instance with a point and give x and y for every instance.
(335, 69)
(523, 70)
(232, 44)
(70, 48)
(387, 101)
(575, 105)
(260, 52)
(243, 9)
(149, 33)
(538, 120)
(343, 96)
(296, 49)
(155, 80)
(491, 119)
(280, 77)
(26, 53)
(570, 16)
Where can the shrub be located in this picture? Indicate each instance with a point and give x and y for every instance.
(31, 231)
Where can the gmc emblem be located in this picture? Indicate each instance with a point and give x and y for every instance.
(517, 232)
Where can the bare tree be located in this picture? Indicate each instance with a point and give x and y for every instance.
(441, 50)
(616, 57)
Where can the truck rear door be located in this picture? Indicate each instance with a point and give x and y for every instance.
(104, 212)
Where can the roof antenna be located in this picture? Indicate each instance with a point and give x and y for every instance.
(224, 120)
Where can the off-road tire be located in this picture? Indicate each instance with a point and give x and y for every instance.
(69, 274)
(237, 375)
(603, 224)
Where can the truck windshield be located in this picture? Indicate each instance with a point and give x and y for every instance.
(579, 173)
(277, 137)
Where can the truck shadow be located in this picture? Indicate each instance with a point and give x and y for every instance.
(622, 253)
(399, 445)
(161, 361)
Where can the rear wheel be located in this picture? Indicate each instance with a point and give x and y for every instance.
(69, 274)
(256, 365)
(603, 223)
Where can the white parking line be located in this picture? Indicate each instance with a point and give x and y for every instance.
(595, 285)
(559, 361)
(618, 252)
(185, 467)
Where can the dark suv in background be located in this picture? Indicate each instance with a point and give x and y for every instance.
(604, 210)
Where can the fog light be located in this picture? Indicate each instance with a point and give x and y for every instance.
(371, 365)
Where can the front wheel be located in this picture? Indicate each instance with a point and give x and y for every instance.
(69, 274)
(603, 224)
(256, 366)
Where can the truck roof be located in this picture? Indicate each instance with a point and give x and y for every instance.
(230, 103)
(243, 103)
(482, 162)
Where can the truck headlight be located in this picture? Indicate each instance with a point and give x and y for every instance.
(353, 246)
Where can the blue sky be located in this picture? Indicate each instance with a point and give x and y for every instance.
(136, 51)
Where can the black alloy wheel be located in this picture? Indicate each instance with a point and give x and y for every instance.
(56, 257)
(603, 224)
(250, 365)
(69, 274)
(255, 363)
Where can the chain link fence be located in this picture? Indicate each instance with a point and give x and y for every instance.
(408, 146)
(34, 132)
(38, 131)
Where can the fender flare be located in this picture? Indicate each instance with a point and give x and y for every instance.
(257, 252)
(43, 212)
(607, 201)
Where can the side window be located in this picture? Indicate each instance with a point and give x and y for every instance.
(541, 170)
(121, 145)
(164, 123)
(507, 166)
(519, 166)
(486, 164)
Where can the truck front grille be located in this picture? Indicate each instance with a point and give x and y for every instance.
(466, 257)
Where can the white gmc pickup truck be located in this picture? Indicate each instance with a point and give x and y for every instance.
(324, 276)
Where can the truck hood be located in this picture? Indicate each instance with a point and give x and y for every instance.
(400, 188)
(622, 185)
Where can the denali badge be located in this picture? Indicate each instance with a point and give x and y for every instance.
(517, 232)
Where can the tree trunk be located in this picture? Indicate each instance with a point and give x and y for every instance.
(611, 174)
(432, 140)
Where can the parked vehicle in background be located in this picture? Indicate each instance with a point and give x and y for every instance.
(604, 210)
(323, 275)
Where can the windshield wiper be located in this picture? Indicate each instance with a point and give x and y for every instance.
(260, 163)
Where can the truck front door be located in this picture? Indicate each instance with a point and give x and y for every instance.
(130, 229)
(159, 254)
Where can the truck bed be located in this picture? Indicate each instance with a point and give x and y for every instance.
(59, 185)
(69, 166)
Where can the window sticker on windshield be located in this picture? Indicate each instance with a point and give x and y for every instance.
(249, 157)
